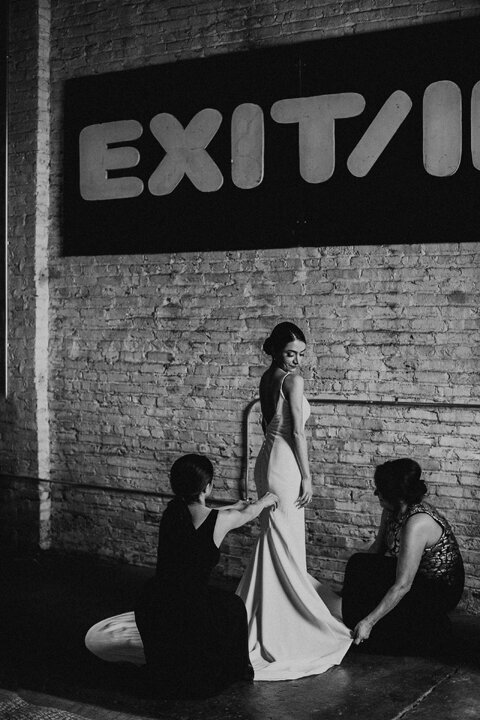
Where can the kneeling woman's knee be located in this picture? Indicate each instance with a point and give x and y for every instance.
(357, 563)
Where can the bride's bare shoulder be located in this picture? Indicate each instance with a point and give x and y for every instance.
(293, 383)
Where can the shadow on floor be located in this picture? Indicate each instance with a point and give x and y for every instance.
(48, 603)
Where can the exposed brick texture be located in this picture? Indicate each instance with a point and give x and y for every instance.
(173, 357)
(153, 356)
(18, 430)
(21, 516)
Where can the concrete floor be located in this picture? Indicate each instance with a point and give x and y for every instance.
(47, 604)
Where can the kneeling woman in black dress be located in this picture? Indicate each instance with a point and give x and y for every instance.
(193, 637)
(396, 597)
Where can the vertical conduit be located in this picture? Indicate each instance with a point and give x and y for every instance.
(42, 205)
(4, 18)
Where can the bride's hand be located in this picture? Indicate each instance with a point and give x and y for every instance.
(306, 494)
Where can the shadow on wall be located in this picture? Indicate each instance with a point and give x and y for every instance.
(19, 515)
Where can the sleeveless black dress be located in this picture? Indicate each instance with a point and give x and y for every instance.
(194, 636)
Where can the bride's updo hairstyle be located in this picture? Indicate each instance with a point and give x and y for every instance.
(400, 481)
(281, 335)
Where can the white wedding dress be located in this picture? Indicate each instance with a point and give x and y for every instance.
(291, 631)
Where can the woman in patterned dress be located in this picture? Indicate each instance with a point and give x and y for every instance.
(397, 596)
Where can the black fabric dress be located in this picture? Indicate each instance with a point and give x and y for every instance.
(194, 636)
(419, 624)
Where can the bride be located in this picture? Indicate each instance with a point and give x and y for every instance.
(292, 633)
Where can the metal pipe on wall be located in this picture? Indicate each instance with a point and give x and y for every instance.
(342, 401)
(245, 475)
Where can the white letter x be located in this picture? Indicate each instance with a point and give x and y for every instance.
(186, 154)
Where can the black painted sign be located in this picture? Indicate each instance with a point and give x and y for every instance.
(369, 139)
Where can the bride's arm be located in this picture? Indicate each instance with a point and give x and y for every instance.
(293, 390)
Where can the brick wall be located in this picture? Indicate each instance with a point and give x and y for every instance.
(153, 356)
(22, 518)
(166, 361)
(24, 418)
(18, 412)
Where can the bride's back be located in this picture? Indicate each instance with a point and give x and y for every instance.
(270, 387)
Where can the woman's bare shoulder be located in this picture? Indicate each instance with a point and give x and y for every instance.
(293, 383)
(419, 521)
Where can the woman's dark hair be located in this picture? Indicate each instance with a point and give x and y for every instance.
(400, 481)
(281, 335)
(189, 476)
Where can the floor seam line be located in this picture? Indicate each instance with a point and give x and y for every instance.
(416, 703)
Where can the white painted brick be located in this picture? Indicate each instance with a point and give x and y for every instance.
(137, 379)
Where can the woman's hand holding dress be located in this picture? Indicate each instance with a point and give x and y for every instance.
(269, 500)
(361, 631)
(414, 540)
